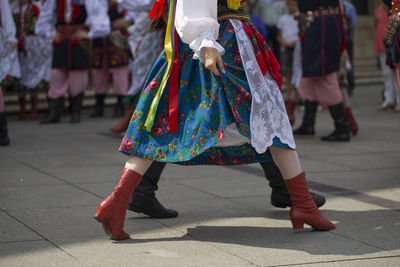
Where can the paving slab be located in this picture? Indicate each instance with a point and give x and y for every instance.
(35, 253)
(44, 196)
(12, 230)
(166, 248)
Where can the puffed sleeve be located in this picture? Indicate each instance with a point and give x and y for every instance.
(197, 24)
(98, 18)
(7, 29)
(45, 26)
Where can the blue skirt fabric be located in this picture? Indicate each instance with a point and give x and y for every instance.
(207, 106)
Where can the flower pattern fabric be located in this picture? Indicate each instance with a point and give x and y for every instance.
(207, 106)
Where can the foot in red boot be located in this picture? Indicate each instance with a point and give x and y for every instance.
(304, 210)
(290, 107)
(111, 211)
(124, 123)
(353, 126)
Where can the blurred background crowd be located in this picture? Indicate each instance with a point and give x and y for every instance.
(116, 68)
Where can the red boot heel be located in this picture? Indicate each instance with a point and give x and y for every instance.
(304, 210)
(297, 224)
(112, 211)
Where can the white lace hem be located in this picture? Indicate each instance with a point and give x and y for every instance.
(268, 118)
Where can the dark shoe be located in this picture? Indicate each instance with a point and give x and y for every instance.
(307, 126)
(76, 106)
(4, 140)
(99, 106)
(119, 108)
(55, 111)
(112, 211)
(341, 132)
(143, 199)
(150, 206)
(304, 210)
(280, 197)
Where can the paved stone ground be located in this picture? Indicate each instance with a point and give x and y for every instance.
(53, 177)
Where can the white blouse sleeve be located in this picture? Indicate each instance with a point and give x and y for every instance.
(45, 25)
(7, 28)
(98, 18)
(197, 24)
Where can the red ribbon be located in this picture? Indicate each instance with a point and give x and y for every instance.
(174, 88)
(159, 6)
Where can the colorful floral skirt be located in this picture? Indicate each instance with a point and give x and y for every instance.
(207, 105)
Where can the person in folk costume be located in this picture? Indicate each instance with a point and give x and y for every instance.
(9, 66)
(214, 109)
(64, 22)
(392, 42)
(33, 55)
(143, 199)
(105, 56)
(321, 54)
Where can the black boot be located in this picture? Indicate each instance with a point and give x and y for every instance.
(55, 111)
(4, 140)
(76, 106)
(119, 108)
(307, 127)
(341, 132)
(280, 197)
(143, 199)
(99, 107)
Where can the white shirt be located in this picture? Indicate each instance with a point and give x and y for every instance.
(197, 24)
(97, 11)
(288, 27)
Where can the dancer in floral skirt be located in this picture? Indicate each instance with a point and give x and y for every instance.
(212, 97)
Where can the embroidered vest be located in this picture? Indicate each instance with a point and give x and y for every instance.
(225, 13)
(27, 23)
(78, 15)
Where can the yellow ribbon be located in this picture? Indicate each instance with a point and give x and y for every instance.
(234, 4)
(169, 52)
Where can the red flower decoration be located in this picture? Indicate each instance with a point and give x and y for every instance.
(220, 135)
(212, 158)
(158, 130)
(238, 100)
(234, 111)
(128, 145)
(235, 160)
(164, 119)
(238, 120)
(153, 84)
(246, 96)
(236, 50)
(238, 60)
(230, 29)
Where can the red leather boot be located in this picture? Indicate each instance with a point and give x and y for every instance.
(111, 211)
(304, 210)
(124, 123)
(290, 107)
(353, 126)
